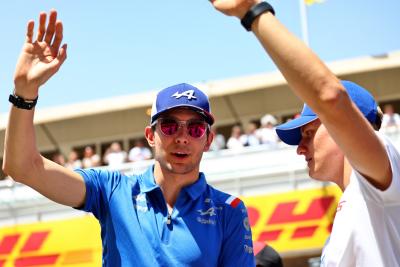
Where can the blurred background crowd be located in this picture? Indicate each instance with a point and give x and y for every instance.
(254, 133)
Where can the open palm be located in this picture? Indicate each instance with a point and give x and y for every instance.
(40, 59)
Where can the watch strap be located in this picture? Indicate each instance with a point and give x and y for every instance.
(254, 12)
(22, 103)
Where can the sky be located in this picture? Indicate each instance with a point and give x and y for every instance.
(125, 47)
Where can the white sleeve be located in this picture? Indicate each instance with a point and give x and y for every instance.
(392, 193)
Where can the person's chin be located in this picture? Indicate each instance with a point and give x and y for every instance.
(180, 168)
(317, 177)
(313, 174)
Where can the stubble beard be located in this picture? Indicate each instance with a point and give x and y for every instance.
(177, 169)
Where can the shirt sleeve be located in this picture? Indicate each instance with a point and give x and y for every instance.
(99, 187)
(392, 193)
(237, 248)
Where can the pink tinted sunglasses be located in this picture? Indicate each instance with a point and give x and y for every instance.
(195, 128)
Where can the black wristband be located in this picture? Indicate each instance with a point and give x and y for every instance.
(19, 102)
(254, 12)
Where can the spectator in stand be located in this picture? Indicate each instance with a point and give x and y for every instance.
(266, 133)
(390, 120)
(234, 140)
(58, 158)
(114, 155)
(73, 160)
(90, 159)
(250, 137)
(218, 142)
(139, 152)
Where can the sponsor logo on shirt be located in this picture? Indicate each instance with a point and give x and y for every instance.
(246, 223)
(340, 205)
(205, 215)
(140, 198)
(210, 212)
(141, 203)
(141, 208)
(205, 221)
(248, 249)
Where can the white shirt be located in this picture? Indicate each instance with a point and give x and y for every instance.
(115, 159)
(139, 153)
(234, 143)
(249, 140)
(92, 161)
(366, 229)
(391, 120)
(267, 136)
(218, 142)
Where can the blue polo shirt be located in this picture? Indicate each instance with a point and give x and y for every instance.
(206, 227)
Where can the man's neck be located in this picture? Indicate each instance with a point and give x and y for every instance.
(171, 184)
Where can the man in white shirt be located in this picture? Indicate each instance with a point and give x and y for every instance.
(390, 121)
(335, 133)
(114, 156)
(139, 152)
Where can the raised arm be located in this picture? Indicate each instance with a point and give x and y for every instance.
(316, 85)
(38, 61)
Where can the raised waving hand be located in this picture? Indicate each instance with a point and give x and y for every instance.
(40, 58)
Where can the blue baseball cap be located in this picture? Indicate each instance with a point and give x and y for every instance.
(290, 132)
(182, 95)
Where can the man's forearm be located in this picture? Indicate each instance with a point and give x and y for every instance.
(20, 153)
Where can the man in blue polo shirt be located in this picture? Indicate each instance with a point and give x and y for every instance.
(168, 216)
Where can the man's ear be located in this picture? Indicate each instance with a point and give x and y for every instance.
(149, 134)
(210, 138)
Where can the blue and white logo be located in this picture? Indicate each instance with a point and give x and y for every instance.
(189, 94)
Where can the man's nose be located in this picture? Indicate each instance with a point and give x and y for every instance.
(182, 135)
(302, 147)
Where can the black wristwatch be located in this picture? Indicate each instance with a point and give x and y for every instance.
(22, 103)
(254, 12)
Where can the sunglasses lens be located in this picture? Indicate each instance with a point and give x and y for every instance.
(169, 127)
(196, 129)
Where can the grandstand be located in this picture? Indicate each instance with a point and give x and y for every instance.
(286, 208)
